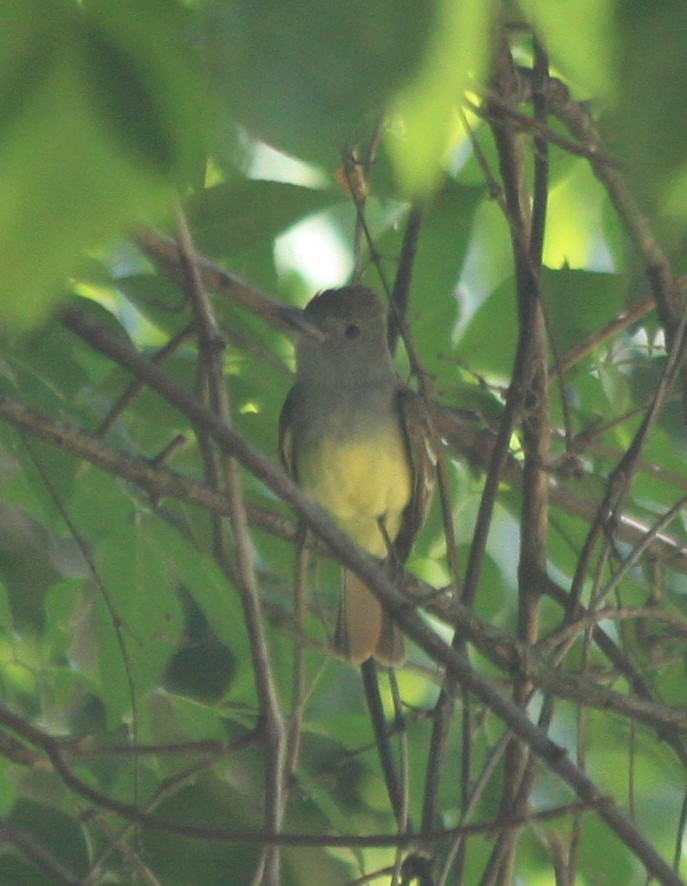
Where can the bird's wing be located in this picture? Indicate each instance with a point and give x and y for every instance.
(286, 432)
(419, 440)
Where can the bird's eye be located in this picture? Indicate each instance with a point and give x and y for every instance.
(352, 330)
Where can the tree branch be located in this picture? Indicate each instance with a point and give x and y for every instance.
(119, 349)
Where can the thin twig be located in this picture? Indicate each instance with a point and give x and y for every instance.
(554, 757)
(299, 688)
(133, 390)
(115, 619)
(626, 318)
(575, 116)
(404, 825)
(164, 252)
(270, 710)
(530, 376)
(368, 671)
(621, 477)
(346, 550)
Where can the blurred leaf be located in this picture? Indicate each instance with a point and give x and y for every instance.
(651, 128)
(145, 89)
(8, 792)
(455, 57)
(101, 121)
(585, 53)
(75, 85)
(60, 835)
(30, 564)
(159, 300)
(347, 59)
(179, 861)
(229, 218)
(203, 667)
(178, 718)
(616, 387)
(578, 239)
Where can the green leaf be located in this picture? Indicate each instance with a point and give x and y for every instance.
(200, 574)
(159, 300)
(579, 302)
(138, 616)
(426, 108)
(302, 76)
(488, 343)
(88, 145)
(181, 860)
(577, 202)
(441, 253)
(585, 52)
(177, 718)
(233, 217)
(5, 611)
(649, 126)
(58, 834)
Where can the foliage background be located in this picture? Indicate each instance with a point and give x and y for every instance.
(142, 732)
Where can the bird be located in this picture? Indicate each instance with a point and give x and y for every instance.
(356, 439)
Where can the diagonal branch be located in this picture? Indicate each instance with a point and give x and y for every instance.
(369, 571)
(211, 351)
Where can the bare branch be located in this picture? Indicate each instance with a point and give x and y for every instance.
(270, 709)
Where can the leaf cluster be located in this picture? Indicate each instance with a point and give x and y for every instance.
(175, 175)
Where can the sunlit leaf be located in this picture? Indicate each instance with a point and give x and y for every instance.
(425, 126)
(585, 53)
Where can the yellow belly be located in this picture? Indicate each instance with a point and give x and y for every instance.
(359, 482)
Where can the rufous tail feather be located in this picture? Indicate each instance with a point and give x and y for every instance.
(363, 628)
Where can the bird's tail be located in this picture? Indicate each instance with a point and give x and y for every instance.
(364, 629)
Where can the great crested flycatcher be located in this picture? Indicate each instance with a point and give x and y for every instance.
(354, 437)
